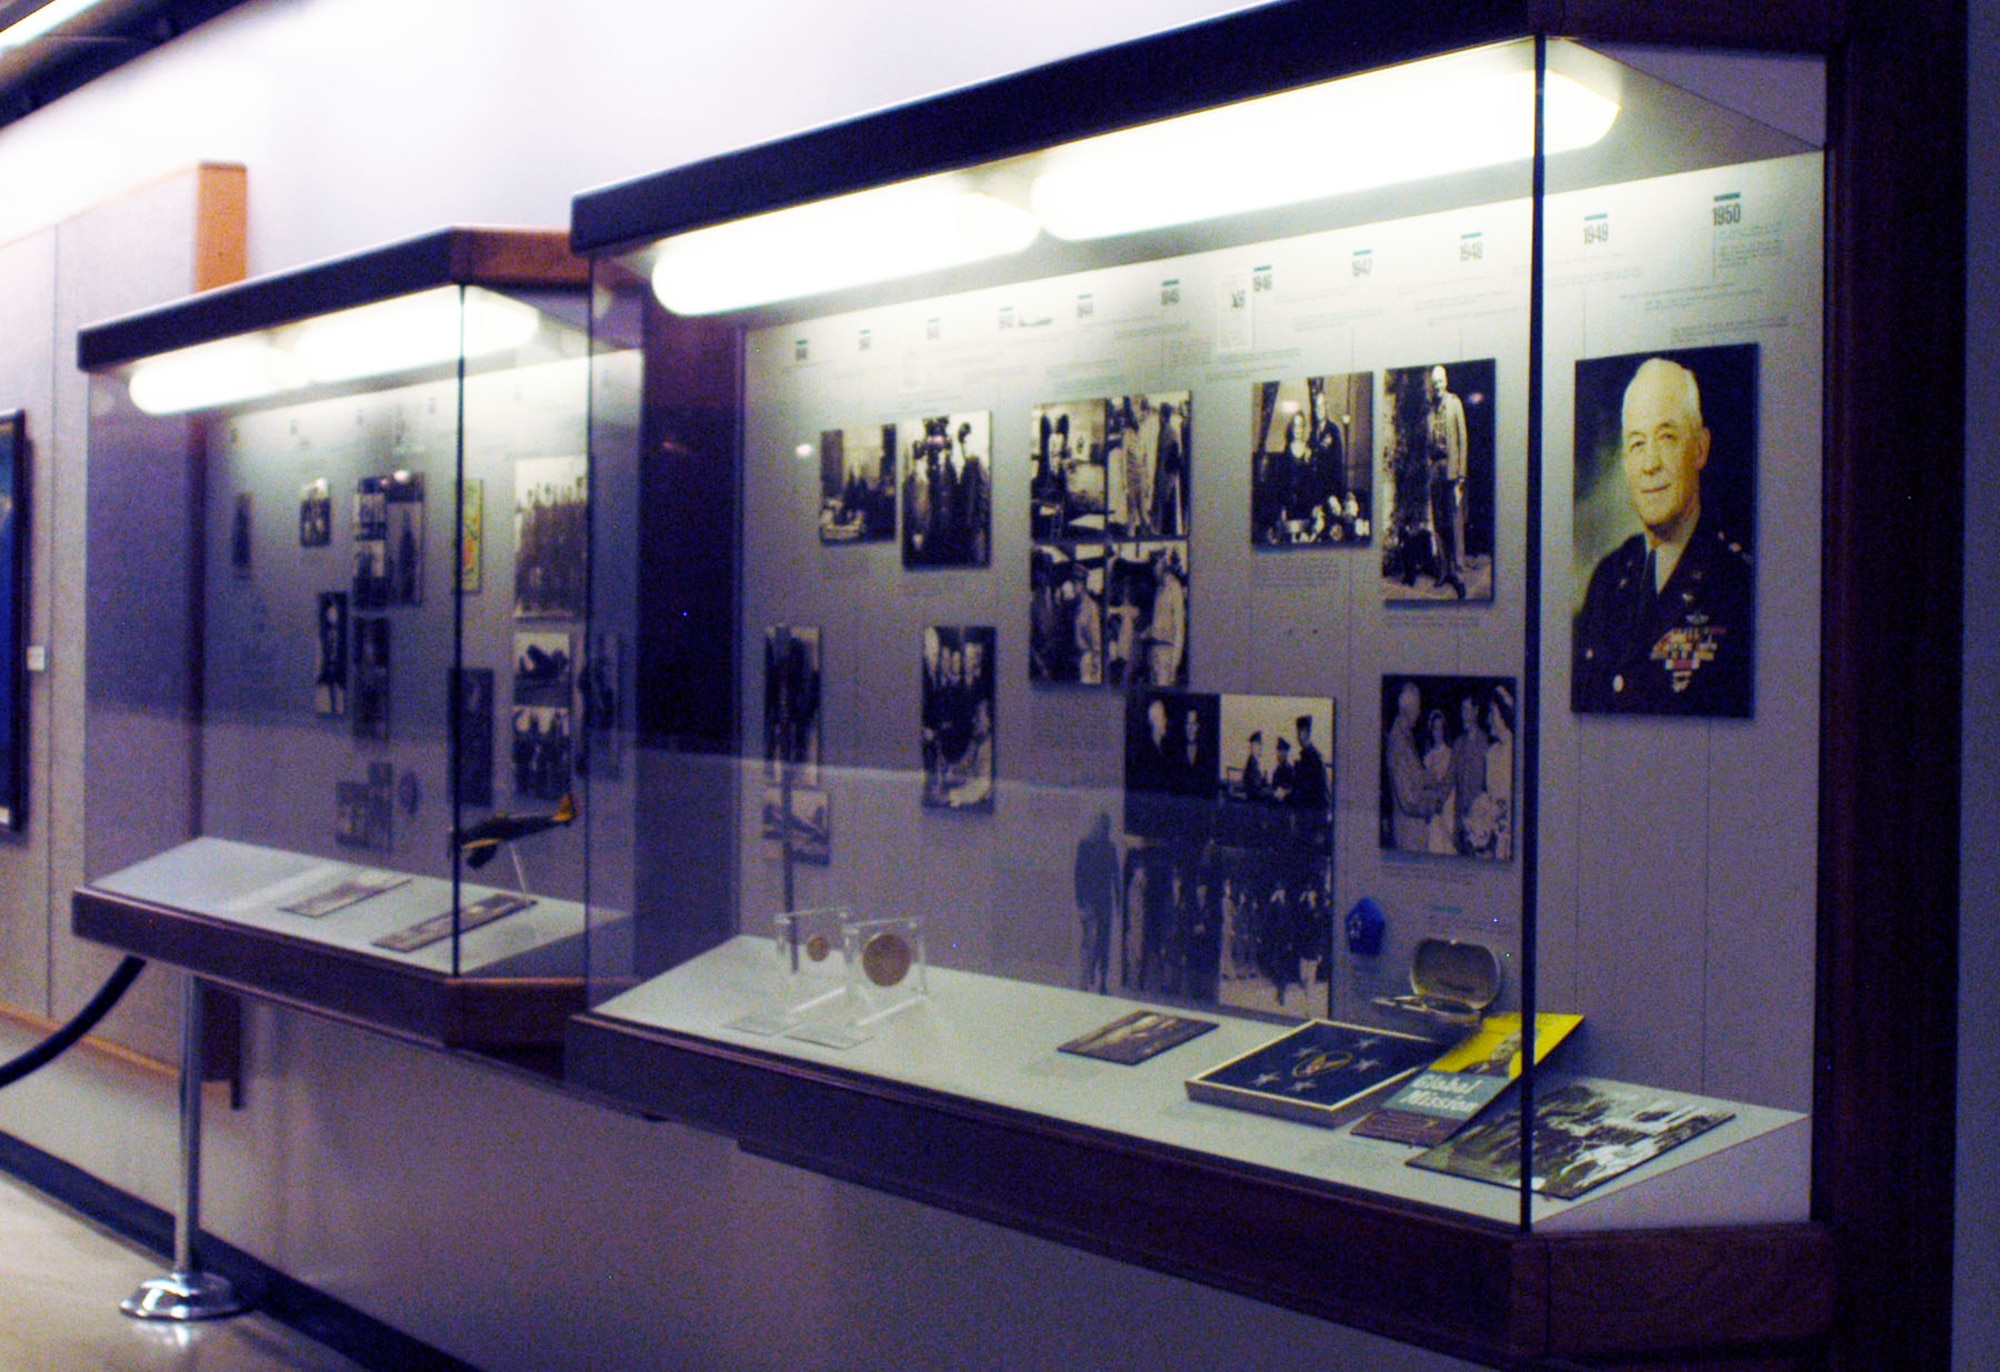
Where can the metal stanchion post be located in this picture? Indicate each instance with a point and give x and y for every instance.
(187, 1293)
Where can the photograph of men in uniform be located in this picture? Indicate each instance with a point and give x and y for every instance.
(1665, 469)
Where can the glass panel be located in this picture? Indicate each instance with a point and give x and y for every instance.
(331, 647)
(1097, 582)
(1679, 743)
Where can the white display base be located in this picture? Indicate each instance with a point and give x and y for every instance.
(993, 1040)
(244, 884)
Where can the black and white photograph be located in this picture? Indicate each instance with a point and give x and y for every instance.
(389, 541)
(1272, 849)
(403, 500)
(240, 530)
(544, 671)
(371, 677)
(809, 825)
(1663, 559)
(1147, 595)
(792, 689)
(472, 688)
(1438, 474)
(542, 751)
(1448, 766)
(947, 490)
(316, 513)
(364, 811)
(1312, 465)
(371, 544)
(1066, 617)
(1068, 485)
(857, 484)
(958, 721)
(599, 697)
(1229, 809)
(1148, 462)
(551, 537)
(330, 655)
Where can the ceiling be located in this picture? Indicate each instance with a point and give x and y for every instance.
(80, 50)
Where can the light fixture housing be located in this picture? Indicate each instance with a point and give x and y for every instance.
(411, 333)
(405, 334)
(895, 231)
(53, 15)
(1383, 128)
(1404, 124)
(230, 371)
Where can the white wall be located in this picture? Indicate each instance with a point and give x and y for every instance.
(1976, 1332)
(365, 121)
(499, 1220)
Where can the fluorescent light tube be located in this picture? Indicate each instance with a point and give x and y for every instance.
(223, 373)
(412, 332)
(851, 240)
(24, 31)
(1380, 129)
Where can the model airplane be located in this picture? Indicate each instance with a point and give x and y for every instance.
(481, 841)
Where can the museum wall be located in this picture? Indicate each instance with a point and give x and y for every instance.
(1976, 1331)
(476, 1209)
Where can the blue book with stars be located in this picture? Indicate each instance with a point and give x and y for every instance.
(1320, 1073)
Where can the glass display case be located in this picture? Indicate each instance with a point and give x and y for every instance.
(342, 703)
(1181, 602)
(1255, 589)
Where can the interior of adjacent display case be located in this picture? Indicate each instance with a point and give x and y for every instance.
(388, 700)
(1119, 698)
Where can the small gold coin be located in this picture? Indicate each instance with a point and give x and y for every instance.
(817, 947)
(885, 959)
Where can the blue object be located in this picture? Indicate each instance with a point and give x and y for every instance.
(1365, 923)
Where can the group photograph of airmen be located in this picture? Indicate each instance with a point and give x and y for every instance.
(551, 537)
(1227, 881)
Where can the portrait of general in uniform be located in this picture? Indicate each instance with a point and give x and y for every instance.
(1665, 482)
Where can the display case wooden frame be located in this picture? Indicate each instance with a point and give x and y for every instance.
(1868, 1282)
(511, 1015)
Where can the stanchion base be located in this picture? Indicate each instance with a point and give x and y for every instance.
(184, 1297)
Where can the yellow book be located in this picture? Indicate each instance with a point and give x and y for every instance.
(1445, 1096)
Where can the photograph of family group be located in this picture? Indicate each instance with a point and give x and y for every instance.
(1448, 766)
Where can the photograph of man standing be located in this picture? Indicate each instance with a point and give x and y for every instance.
(1666, 446)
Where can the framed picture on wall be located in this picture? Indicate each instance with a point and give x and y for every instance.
(13, 619)
(1437, 465)
(1665, 533)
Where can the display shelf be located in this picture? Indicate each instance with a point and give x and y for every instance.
(215, 908)
(965, 1103)
(984, 1041)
